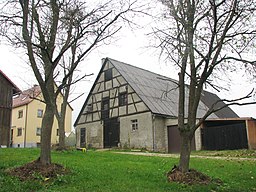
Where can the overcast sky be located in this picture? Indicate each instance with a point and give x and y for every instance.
(129, 48)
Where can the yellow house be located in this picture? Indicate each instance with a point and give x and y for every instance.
(27, 114)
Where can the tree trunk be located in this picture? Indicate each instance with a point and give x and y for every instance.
(61, 123)
(185, 152)
(46, 133)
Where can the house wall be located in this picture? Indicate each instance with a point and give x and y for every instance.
(30, 122)
(94, 134)
(18, 123)
(140, 138)
(6, 91)
(160, 134)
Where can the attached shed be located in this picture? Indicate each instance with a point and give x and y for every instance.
(7, 90)
(230, 133)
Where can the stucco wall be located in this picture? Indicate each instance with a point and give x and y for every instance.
(94, 134)
(160, 134)
(141, 138)
(29, 123)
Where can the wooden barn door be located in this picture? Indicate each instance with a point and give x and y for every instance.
(82, 137)
(174, 140)
(225, 137)
(111, 133)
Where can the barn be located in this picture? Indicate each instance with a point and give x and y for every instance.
(129, 107)
(7, 90)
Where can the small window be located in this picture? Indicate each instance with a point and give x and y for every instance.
(40, 113)
(38, 131)
(105, 108)
(89, 108)
(57, 132)
(108, 74)
(19, 131)
(134, 124)
(122, 99)
(20, 114)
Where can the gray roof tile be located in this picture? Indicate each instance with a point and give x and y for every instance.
(152, 87)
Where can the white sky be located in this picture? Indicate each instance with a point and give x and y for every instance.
(130, 48)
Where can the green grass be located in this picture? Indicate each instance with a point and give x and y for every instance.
(109, 171)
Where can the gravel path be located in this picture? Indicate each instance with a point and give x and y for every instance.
(192, 156)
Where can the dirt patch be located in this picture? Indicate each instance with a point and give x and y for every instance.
(35, 170)
(191, 177)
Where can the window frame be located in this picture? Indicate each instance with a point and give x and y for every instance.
(123, 99)
(89, 108)
(40, 115)
(37, 132)
(105, 108)
(19, 131)
(20, 114)
(108, 74)
(134, 125)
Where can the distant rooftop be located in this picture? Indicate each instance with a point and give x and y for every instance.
(26, 96)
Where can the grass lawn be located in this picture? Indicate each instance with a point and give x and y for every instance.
(109, 171)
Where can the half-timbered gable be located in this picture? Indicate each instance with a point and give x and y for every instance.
(111, 97)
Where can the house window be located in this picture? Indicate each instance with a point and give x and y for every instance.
(122, 99)
(108, 74)
(89, 108)
(19, 131)
(20, 114)
(40, 113)
(134, 124)
(57, 132)
(38, 131)
(105, 108)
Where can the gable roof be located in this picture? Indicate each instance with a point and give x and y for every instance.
(160, 93)
(15, 88)
(26, 96)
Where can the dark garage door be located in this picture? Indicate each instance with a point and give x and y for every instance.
(174, 140)
(225, 137)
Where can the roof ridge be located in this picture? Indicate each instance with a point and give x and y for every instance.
(141, 69)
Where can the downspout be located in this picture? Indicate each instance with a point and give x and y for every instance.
(25, 131)
(154, 132)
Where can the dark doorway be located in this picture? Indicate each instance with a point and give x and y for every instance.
(82, 137)
(224, 135)
(111, 133)
(174, 140)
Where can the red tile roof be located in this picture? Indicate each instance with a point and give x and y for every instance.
(26, 96)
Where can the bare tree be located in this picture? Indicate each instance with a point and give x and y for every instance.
(204, 38)
(51, 31)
